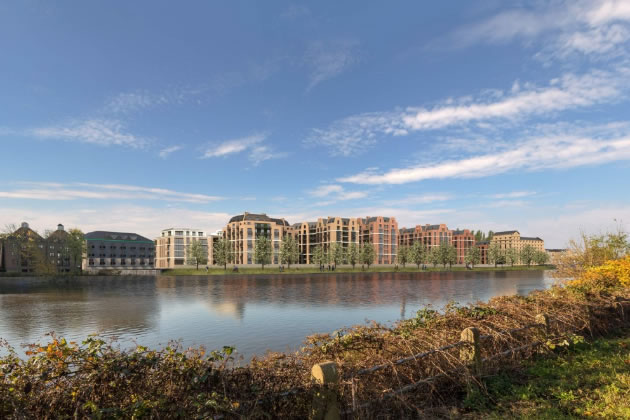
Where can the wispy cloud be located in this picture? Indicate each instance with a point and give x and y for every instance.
(513, 194)
(355, 134)
(333, 193)
(533, 154)
(424, 198)
(253, 145)
(126, 102)
(166, 152)
(78, 190)
(102, 132)
(587, 27)
(329, 59)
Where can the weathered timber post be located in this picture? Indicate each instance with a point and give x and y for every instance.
(624, 309)
(543, 320)
(325, 405)
(471, 353)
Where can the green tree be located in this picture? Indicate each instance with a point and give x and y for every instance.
(197, 253)
(221, 252)
(473, 256)
(353, 254)
(336, 254)
(490, 235)
(494, 253)
(418, 253)
(289, 252)
(434, 255)
(541, 257)
(367, 254)
(76, 247)
(319, 255)
(443, 252)
(527, 255)
(451, 255)
(511, 256)
(262, 251)
(403, 255)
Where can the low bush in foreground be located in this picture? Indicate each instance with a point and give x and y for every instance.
(96, 379)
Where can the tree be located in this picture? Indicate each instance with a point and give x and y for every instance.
(76, 247)
(336, 254)
(221, 252)
(418, 253)
(541, 257)
(511, 256)
(443, 253)
(262, 251)
(451, 255)
(289, 252)
(527, 255)
(434, 255)
(367, 254)
(319, 255)
(494, 253)
(197, 253)
(353, 254)
(403, 255)
(473, 256)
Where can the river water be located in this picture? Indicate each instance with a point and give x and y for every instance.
(253, 313)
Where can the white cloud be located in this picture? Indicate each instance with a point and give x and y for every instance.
(146, 221)
(329, 59)
(257, 151)
(127, 102)
(79, 190)
(424, 198)
(164, 153)
(513, 194)
(589, 27)
(568, 92)
(102, 132)
(355, 134)
(335, 193)
(534, 154)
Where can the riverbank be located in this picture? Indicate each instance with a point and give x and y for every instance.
(583, 380)
(431, 361)
(343, 269)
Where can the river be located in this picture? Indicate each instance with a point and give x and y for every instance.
(253, 313)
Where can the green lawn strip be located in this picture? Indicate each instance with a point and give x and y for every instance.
(582, 380)
(275, 270)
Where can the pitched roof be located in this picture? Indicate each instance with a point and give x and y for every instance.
(506, 232)
(115, 236)
(529, 238)
(258, 218)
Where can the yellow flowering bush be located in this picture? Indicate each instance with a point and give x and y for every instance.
(611, 273)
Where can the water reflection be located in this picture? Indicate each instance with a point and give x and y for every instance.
(254, 313)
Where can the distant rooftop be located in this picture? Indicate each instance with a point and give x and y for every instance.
(115, 236)
(506, 232)
(257, 218)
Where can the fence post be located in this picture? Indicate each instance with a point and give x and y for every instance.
(325, 405)
(543, 319)
(471, 354)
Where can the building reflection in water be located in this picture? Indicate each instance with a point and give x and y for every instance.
(252, 312)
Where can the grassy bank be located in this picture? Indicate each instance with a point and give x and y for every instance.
(315, 270)
(582, 380)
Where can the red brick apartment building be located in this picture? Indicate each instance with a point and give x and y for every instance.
(382, 233)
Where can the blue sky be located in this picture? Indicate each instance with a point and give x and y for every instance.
(139, 116)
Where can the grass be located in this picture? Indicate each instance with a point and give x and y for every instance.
(581, 380)
(314, 270)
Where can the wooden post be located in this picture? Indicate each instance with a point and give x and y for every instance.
(325, 406)
(543, 320)
(471, 354)
(624, 309)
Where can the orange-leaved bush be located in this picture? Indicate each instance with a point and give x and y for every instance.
(611, 273)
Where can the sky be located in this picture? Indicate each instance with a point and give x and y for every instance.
(492, 115)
